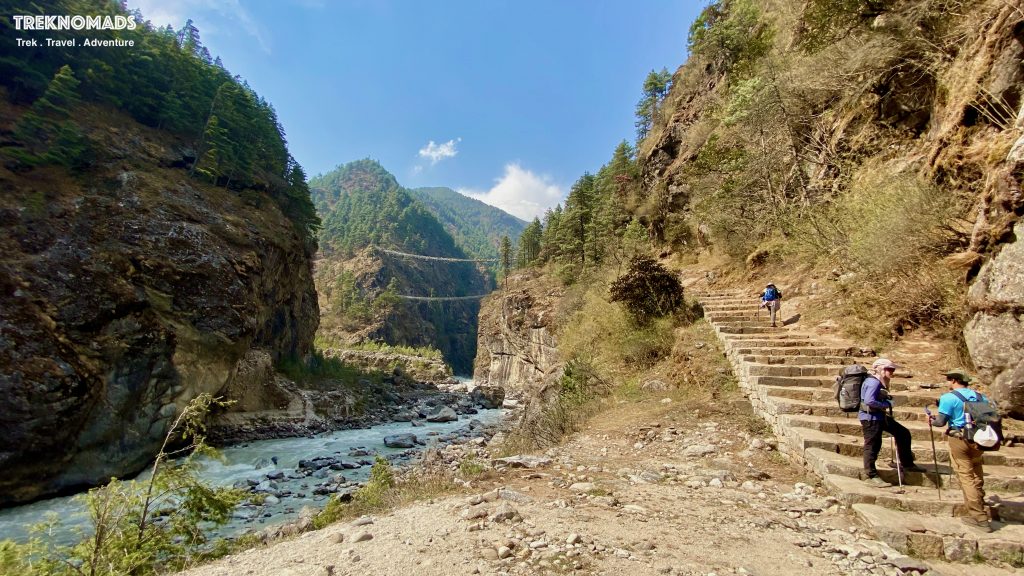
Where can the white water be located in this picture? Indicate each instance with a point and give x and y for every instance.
(239, 465)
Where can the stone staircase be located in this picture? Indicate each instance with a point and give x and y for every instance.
(788, 376)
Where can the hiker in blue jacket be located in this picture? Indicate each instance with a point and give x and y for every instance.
(965, 456)
(771, 298)
(876, 417)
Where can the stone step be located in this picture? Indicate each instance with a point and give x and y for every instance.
(778, 340)
(754, 369)
(806, 359)
(731, 317)
(789, 376)
(746, 329)
(851, 426)
(1009, 510)
(1010, 458)
(851, 353)
(790, 406)
(998, 479)
(823, 393)
(925, 536)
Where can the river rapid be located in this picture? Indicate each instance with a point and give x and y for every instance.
(291, 473)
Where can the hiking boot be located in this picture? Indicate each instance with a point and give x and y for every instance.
(877, 482)
(773, 325)
(913, 467)
(983, 526)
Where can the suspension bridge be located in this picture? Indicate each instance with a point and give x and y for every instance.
(437, 259)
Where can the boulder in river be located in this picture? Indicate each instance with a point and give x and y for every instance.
(443, 414)
(400, 441)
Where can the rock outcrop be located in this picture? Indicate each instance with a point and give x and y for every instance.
(516, 346)
(995, 334)
(125, 291)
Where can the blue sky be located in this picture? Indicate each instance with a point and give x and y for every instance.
(509, 101)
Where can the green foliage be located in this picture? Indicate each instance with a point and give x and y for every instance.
(529, 244)
(656, 87)
(563, 411)
(353, 306)
(166, 80)
(730, 34)
(471, 467)
(139, 527)
(475, 226)
(376, 494)
(588, 230)
(422, 351)
(317, 368)
(505, 256)
(46, 132)
(828, 21)
(580, 383)
(381, 481)
(363, 205)
(647, 290)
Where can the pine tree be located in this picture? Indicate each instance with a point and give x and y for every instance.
(529, 244)
(46, 130)
(576, 225)
(505, 258)
(188, 38)
(656, 86)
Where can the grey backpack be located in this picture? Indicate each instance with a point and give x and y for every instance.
(847, 387)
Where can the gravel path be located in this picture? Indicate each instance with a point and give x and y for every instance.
(638, 492)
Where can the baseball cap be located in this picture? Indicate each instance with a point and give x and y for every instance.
(958, 374)
(883, 363)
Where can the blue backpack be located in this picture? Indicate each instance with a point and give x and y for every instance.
(772, 293)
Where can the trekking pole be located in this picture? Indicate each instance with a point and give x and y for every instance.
(896, 455)
(935, 459)
(899, 467)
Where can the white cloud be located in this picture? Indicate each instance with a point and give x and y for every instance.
(437, 152)
(520, 192)
(162, 12)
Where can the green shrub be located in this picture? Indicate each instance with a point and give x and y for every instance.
(730, 33)
(647, 290)
(139, 526)
(317, 367)
(376, 494)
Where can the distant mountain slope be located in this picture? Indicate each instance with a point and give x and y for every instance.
(363, 208)
(476, 227)
(363, 205)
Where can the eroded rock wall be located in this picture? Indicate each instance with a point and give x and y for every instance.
(125, 291)
(516, 344)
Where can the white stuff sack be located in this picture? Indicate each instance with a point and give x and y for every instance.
(986, 437)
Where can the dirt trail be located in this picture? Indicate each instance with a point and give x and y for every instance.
(650, 487)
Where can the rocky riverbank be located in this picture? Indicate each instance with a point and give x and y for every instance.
(396, 398)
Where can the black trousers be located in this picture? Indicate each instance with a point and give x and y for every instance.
(873, 430)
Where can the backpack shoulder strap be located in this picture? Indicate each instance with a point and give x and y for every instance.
(960, 396)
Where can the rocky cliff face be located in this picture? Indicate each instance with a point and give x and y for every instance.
(127, 290)
(879, 95)
(516, 345)
(448, 326)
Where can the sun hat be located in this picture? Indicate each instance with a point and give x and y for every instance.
(883, 363)
(959, 375)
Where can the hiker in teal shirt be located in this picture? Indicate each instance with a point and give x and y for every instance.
(965, 456)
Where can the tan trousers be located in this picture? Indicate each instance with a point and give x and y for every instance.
(966, 460)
